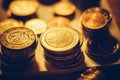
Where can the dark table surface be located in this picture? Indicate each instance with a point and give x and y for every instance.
(111, 72)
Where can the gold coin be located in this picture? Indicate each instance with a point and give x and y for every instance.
(9, 23)
(37, 25)
(23, 7)
(18, 38)
(94, 20)
(59, 39)
(58, 21)
(64, 8)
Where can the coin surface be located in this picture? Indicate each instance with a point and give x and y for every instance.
(64, 8)
(23, 7)
(94, 20)
(37, 25)
(9, 23)
(58, 21)
(18, 38)
(59, 39)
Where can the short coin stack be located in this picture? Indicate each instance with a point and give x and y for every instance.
(62, 47)
(17, 48)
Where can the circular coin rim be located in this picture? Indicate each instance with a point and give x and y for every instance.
(4, 42)
(57, 11)
(100, 10)
(66, 48)
(14, 3)
(28, 25)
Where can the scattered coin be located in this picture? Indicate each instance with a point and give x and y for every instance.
(64, 8)
(23, 7)
(37, 25)
(9, 23)
(58, 21)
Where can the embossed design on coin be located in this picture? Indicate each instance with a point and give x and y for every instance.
(18, 38)
(59, 38)
(94, 20)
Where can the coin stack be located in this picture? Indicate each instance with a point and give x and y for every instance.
(95, 21)
(23, 9)
(17, 48)
(62, 47)
(101, 46)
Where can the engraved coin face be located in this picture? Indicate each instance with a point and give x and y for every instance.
(37, 25)
(64, 8)
(23, 7)
(59, 39)
(9, 23)
(94, 20)
(17, 38)
(59, 21)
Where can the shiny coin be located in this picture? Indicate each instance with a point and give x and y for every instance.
(18, 38)
(94, 20)
(59, 39)
(9, 23)
(64, 8)
(37, 25)
(23, 7)
(58, 21)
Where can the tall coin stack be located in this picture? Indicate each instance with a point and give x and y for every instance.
(101, 45)
(62, 47)
(17, 48)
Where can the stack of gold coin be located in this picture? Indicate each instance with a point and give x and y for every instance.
(24, 9)
(17, 48)
(62, 47)
(95, 21)
(9, 23)
(37, 25)
(101, 45)
(64, 8)
(58, 21)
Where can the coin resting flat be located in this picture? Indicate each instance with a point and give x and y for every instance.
(9, 23)
(23, 7)
(59, 39)
(64, 8)
(58, 21)
(37, 25)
